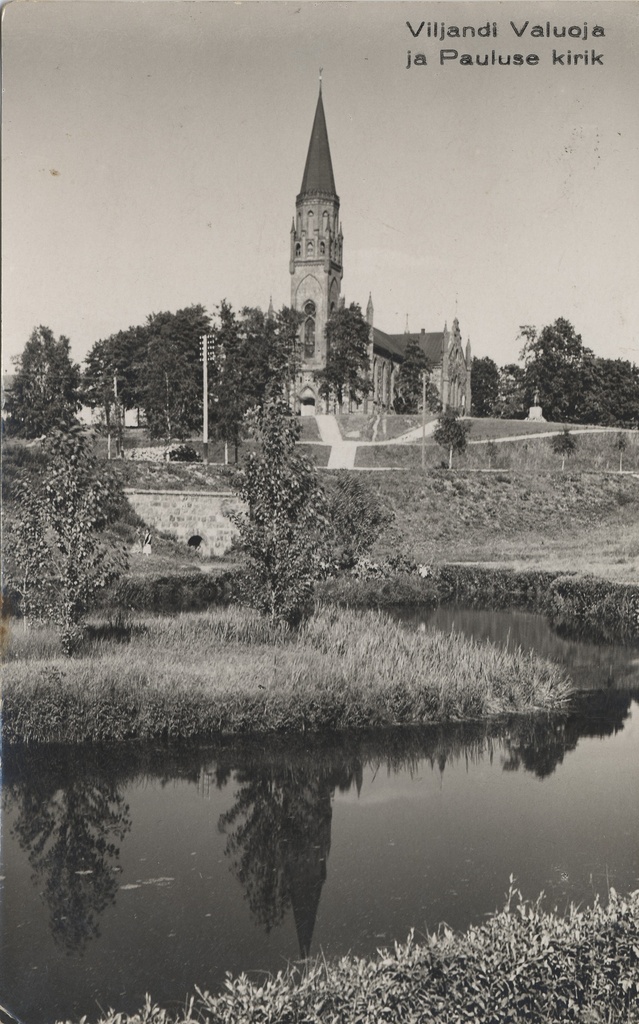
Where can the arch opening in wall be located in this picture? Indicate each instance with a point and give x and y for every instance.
(307, 402)
(195, 542)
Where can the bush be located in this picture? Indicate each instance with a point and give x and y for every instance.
(171, 593)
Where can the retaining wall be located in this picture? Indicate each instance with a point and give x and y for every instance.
(187, 514)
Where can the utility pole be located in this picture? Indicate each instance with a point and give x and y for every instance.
(204, 356)
(423, 419)
(118, 435)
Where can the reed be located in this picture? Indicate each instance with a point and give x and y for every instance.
(232, 671)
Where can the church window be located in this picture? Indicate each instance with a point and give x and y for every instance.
(322, 248)
(298, 249)
(309, 330)
(309, 338)
(309, 248)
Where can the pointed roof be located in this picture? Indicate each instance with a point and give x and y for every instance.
(318, 172)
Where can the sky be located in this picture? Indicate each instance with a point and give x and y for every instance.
(152, 152)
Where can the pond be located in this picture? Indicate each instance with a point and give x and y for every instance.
(155, 869)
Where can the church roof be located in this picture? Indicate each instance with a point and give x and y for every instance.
(318, 172)
(431, 343)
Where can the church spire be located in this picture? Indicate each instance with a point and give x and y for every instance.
(318, 172)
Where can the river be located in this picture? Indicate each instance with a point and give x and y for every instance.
(155, 869)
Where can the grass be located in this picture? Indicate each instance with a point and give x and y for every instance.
(581, 522)
(231, 671)
(525, 963)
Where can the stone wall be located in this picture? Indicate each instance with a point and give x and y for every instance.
(186, 514)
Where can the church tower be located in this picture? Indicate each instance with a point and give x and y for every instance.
(316, 258)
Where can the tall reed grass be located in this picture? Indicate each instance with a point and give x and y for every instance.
(232, 671)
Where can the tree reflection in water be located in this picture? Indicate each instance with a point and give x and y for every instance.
(71, 815)
(279, 828)
(70, 825)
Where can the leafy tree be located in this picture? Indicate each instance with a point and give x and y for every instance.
(284, 531)
(357, 516)
(510, 402)
(620, 444)
(345, 375)
(611, 393)
(99, 384)
(451, 433)
(173, 388)
(256, 358)
(564, 444)
(485, 378)
(409, 386)
(555, 359)
(46, 390)
(56, 557)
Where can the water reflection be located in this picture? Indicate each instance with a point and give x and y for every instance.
(71, 815)
(70, 824)
(591, 665)
(279, 837)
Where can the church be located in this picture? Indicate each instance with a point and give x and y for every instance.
(316, 266)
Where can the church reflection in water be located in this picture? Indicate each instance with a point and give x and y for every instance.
(70, 813)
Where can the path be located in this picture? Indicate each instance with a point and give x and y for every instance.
(342, 452)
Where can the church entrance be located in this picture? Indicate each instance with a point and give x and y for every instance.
(307, 402)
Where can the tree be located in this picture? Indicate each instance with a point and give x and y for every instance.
(409, 386)
(485, 378)
(611, 393)
(99, 383)
(564, 444)
(451, 433)
(56, 557)
(46, 390)
(172, 393)
(357, 516)
(555, 360)
(284, 532)
(620, 444)
(510, 402)
(347, 361)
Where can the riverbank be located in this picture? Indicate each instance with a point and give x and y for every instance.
(523, 963)
(230, 671)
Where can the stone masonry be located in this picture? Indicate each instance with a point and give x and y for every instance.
(186, 514)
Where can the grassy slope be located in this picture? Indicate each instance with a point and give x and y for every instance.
(584, 523)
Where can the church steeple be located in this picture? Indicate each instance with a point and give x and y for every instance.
(316, 255)
(318, 172)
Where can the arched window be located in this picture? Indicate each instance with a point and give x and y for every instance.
(322, 248)
(309, 248)
(298, 249)
(309, 330)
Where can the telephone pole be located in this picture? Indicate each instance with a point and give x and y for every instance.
(205, 340)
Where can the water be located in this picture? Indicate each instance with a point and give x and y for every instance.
(155, 870)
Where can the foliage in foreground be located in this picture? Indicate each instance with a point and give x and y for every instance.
(236, 672)
(56, 558)
(284, 531)
(524, 963)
